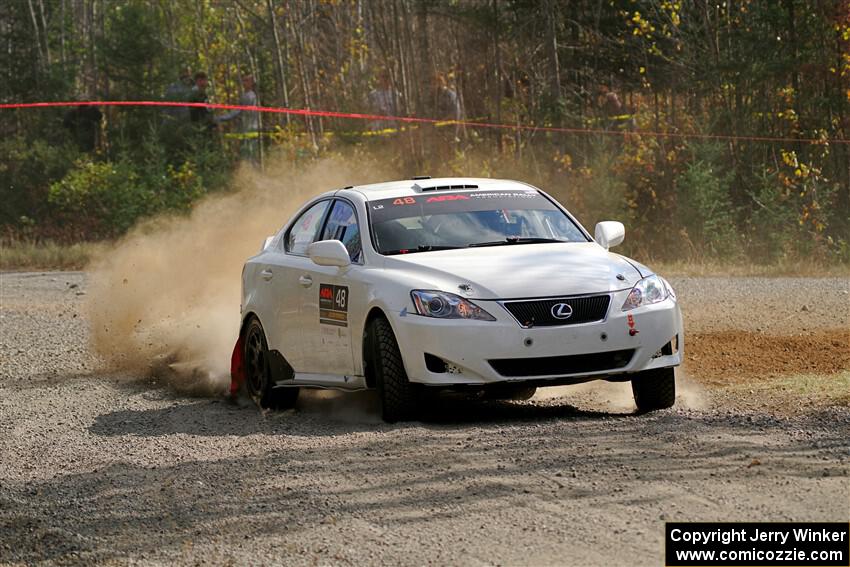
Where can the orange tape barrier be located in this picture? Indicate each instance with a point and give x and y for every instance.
(419, 120)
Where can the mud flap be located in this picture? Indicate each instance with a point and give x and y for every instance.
(237, 366)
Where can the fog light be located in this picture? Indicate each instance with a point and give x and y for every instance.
(435, 364)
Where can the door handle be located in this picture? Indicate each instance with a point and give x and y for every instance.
(267, 274)
(305, 281)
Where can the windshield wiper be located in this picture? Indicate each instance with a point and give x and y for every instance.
(420, 248)
(515, 240)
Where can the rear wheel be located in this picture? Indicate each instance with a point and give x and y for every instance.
(654, 389)
(258, 382)
(398, 395)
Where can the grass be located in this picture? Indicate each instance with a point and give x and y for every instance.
(819, 388)
(708, 268)
(24, 255)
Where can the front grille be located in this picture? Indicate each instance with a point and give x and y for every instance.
(561, 365)
(538, 312)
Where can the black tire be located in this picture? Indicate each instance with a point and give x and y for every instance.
(398, 395)
(258, 384)
(654, 389)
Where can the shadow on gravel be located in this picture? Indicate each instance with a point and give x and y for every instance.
(406, 479)
(319, 417)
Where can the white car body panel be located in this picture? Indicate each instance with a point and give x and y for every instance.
(540, 270)
(331, 355)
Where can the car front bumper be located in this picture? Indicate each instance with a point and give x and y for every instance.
(483, 352)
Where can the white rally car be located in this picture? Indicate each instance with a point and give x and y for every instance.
(483, 286)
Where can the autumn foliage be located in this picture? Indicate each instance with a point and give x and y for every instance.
(713, 129)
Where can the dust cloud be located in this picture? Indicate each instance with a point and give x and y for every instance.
(362, 407)
(164, 301)
(689, 393)
(616, 397)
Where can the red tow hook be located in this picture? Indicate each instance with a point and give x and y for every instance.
(631, 321)
(237, 366)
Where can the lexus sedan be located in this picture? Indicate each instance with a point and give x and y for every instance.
(484, 287)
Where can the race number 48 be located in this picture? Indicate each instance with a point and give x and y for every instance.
(339, 299)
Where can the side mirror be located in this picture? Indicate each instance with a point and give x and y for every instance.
(266, 243)
(609, 234)
(329, 253)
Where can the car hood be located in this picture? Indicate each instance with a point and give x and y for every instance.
(520, 270)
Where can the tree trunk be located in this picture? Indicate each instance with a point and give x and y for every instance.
(282, 90)
(37, 34)
(497, 72)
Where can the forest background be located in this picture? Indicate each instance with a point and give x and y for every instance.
(716, 130)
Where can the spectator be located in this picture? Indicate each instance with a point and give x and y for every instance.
(249, 123)
(84, 124)
(179, 91)
(447, 103)
(616, 115)
(384, 100)
(200, 116)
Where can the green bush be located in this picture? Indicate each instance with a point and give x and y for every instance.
(704, 206)
(604, 193)
(26, 173)
(103, 199)
(794, 205)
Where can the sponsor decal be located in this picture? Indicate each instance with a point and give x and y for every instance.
(504, 195)
(441, 198)
(333, 305)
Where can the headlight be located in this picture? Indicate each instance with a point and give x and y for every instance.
(647, 291)
(447, 306)
(669, 288)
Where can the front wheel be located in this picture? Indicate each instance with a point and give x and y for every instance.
(654, 389)
(258, 383)
(398, 396)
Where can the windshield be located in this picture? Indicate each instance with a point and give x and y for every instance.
(442, 221)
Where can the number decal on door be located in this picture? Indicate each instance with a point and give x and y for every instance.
(333, 305)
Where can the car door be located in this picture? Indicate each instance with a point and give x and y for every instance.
(335, 295)
(284, 274)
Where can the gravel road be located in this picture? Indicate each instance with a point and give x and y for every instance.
(98, 467)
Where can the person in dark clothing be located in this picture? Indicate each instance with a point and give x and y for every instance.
(200, 115)
(84, 124)
(179, 91)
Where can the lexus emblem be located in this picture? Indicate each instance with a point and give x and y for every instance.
(562, 311)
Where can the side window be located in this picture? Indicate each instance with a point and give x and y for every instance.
(303, 232)
(342, 225)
